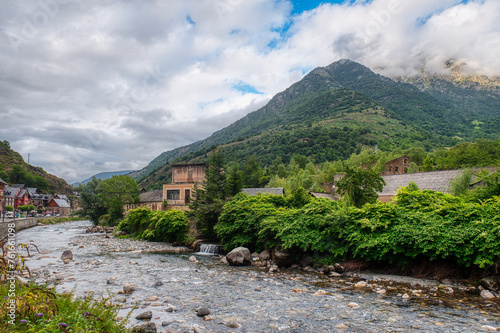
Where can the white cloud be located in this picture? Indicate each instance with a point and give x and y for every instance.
(91, 86)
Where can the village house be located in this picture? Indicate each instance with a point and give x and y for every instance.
(178, 194)
(151, 199)
(58, 207)
(39, 200)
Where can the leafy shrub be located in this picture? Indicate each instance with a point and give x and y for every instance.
(169, 226)
(241, 220)
(136, 222)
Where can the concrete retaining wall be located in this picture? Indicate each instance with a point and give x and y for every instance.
(20, 225)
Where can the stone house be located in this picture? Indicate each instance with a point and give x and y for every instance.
(397, 166)
(178, 194)
(151, 199)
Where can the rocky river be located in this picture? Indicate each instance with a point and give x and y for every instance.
(151, 281)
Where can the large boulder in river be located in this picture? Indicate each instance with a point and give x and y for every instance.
(240, 256)
(67, 256)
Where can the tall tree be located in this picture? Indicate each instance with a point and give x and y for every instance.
(117, 191)
(210, 196)
(252, 172)
(91, 203)
(234, 180)
(360, 186)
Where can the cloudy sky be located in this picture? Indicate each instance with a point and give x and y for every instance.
(103, 85)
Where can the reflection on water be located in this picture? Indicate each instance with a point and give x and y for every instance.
(241, 299)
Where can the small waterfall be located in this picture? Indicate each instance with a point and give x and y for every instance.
(209, 249)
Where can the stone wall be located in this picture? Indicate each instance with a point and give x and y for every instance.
(20, 225)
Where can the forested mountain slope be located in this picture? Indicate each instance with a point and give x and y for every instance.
(335, 110)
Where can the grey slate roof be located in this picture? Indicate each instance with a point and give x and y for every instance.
(62, 203)
(10, 192)
(323, 195)
(255, 191)
(151, 196)
(434, 180)
(2, 181)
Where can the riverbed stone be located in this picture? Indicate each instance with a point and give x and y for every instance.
(265, 255)
(67, 256)
(128, 288)
(203, 312)
(487, 294)
(239, 256)
(193, 259)
(145, 315)
(145, 328)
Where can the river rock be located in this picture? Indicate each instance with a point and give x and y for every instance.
(170, 308)
(361, 284)
(491, 283)
(282, 258)
(193, 259)
(265, 255)
(67, 256)
(240, 256)
(145, 328)
(128, 288)
(145, 315)
(204, 311)
(487, 294)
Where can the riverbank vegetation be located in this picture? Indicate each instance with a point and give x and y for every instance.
(418, 225)
(38, 309)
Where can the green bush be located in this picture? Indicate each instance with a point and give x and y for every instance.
(241, 220)
(169, 226)
(136, 222)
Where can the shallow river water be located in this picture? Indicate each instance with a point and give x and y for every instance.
(244, 299)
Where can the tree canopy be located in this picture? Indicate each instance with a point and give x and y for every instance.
(360, 186)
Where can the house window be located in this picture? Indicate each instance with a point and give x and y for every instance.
(405, 161)
(390, 168)
(173, 194)
(187, 196)
(396, 169)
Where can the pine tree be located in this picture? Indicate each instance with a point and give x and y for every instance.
(210, 196)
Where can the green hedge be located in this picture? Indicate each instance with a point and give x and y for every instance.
(419, 224)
